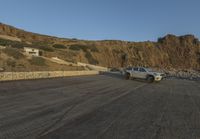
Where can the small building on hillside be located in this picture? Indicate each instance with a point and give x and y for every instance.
(31, 51)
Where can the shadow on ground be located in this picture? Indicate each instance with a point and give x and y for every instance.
(120, 76)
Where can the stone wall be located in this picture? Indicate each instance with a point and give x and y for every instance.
(8, 76)
(188, 74)
(92, 67)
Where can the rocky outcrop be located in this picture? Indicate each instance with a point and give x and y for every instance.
(183, 74)
(179, 52)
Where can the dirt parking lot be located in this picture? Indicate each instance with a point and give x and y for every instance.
(99, 107)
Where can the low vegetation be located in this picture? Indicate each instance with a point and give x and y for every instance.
(10, 62)
(42, 45)
(20, 45)
(46, 48)
(38, 61)
(13, 52)
(14, 44)
(59, 46)
(85, 48)
(78, 47)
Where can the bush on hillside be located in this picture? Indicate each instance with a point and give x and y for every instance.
(78, 47)
(93, 48)
(13, 52)
(59, 46)
(38, 61)
(10, 62)
(14, 44)
(45, 48)
(42, 45)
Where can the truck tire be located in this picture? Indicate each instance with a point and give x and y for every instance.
(150, 79)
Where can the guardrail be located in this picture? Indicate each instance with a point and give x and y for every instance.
(9, 76)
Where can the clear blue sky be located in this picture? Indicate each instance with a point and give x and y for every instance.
(133, 20)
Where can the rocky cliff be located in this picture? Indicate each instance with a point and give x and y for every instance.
(179, 52)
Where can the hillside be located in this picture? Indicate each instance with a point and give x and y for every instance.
(179, 52)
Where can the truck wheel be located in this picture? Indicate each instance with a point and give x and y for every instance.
(150, 79)
(127, 76)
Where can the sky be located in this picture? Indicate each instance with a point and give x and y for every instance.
(131, 20)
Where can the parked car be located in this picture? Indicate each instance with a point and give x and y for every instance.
(143, 73)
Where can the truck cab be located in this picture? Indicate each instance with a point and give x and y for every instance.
(143, 73)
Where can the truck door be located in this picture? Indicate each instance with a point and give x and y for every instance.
(135, 73)
(142, 73)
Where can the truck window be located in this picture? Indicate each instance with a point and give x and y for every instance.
(135, 69)
(142, 70)
(129, 68)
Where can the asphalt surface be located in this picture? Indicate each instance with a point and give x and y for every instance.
(99, 107)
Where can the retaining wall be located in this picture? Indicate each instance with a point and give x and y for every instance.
(93, 67)
(9, 76)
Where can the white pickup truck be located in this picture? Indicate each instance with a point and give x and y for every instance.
(143, 73)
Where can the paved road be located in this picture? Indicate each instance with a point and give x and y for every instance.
(99, 107)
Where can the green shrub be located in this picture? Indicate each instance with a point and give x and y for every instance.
(77, 47)
(59, 46)
(93, 48)
(38, 61)
(10, 62)
(14, 44)
(42, 45)
(13, 52)
(4, 42)
(45, 48)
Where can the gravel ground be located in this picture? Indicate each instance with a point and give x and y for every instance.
(99, 107)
